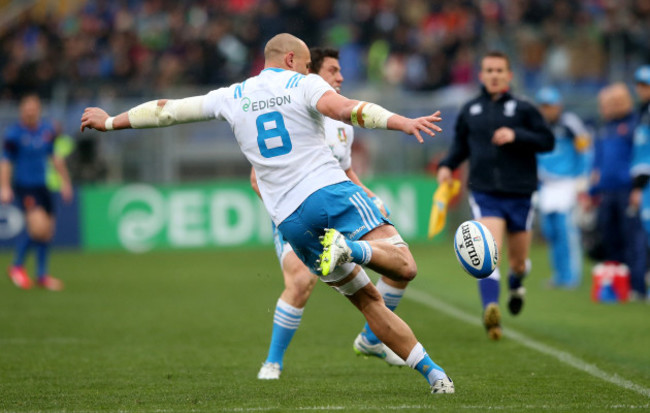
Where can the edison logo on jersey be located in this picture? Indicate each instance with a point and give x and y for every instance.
(264, 104)
(245, 104)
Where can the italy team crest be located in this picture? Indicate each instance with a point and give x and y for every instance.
(342, 136)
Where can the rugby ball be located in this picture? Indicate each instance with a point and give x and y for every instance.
(476, 249)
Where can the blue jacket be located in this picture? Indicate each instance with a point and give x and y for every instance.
(613, 154)
(568, 159)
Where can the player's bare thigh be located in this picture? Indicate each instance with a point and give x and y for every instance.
(381, 232)
(497, 226)
(40, 224)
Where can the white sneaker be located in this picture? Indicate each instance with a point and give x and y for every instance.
(445, 385)
(335, 251)
(269, 371)
(380, 350)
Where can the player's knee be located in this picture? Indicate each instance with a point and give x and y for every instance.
(305, 286)
(410, 270)
(520, 266)
(41, 233)
(403, 268)
(299, 287)
(409, 267)
(517, 269)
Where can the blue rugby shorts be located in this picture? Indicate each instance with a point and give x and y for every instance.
(344, 206)
(31, 197)
(516, 210)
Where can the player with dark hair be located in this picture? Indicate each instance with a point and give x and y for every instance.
(330, 222)
(298, 280)
(28, 146)
(501, 135)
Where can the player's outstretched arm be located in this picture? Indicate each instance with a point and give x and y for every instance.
(153, 114)
(370, 116)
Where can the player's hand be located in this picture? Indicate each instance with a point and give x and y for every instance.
(94, 118)
(416, 126)
(503, 135)
(585, 201)
(444, 175)
(6, 195)
(380, 204)
(635, 199)
(66, 192)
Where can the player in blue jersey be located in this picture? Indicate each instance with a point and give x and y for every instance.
(28, 147)
(640, 196)
(330, 222)
(562, 174)
(298, 280)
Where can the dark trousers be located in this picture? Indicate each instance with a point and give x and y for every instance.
(623, 236)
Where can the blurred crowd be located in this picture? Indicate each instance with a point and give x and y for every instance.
(140, 47)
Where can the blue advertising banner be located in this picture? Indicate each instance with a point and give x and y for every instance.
(12, 223)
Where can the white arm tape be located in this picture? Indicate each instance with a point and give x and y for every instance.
(175, 111)
(108, 125)
(370, 116)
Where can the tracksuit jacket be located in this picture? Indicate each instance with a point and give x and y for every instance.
(510, 169)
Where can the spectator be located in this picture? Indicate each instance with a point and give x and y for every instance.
(107, 42)
(640, 196)
(562, 175)
(623, 237)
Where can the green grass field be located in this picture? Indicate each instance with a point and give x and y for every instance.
(187, 331)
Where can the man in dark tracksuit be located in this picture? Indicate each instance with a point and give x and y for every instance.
(500, 135)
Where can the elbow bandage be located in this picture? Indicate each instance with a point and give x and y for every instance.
(153, 115)
(370, 116)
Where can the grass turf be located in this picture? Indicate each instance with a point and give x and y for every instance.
(188, 330)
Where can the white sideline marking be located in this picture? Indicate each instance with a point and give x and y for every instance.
(48, 340)
(404, 407)
(328, 408)
(563, 356)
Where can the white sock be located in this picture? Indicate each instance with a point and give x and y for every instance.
(293, 311)
(415, 356)
(391, 295)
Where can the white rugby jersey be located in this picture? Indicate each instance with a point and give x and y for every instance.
(339, 136)
(279, 130)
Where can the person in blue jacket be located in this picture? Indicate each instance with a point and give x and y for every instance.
(27, 148)
(562, 175)
(640, 196)
(622, 234)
